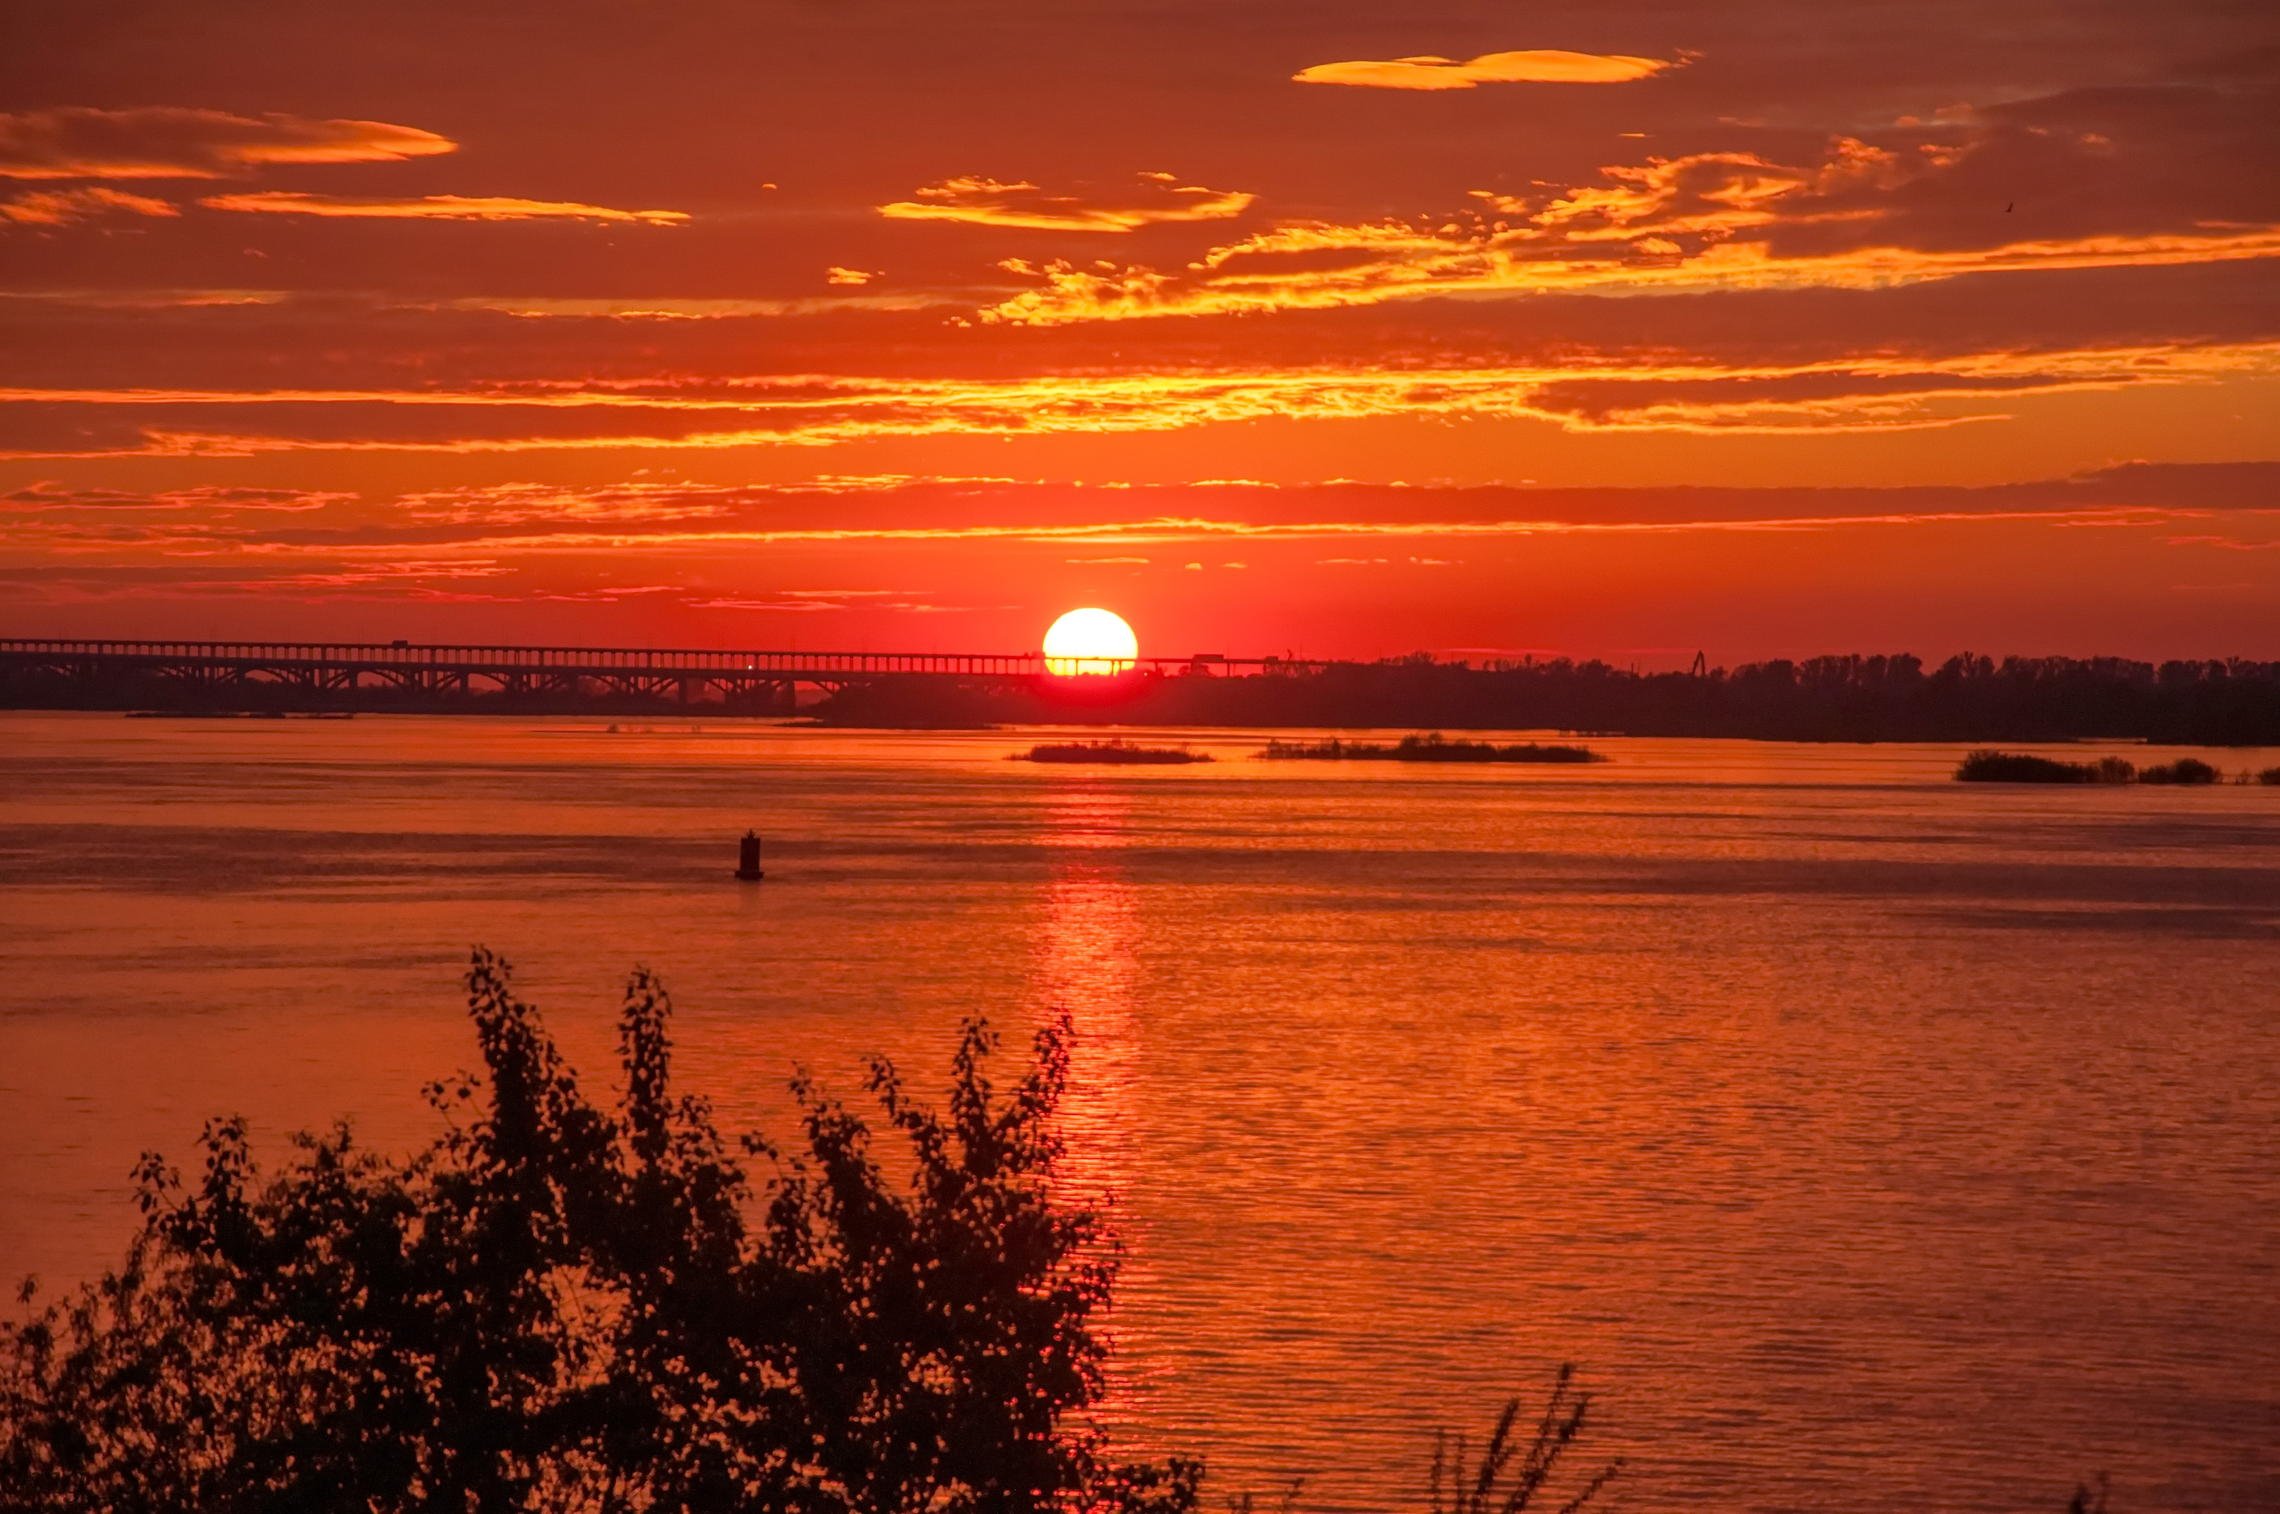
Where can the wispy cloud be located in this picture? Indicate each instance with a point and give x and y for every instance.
(1621, 392)
(47, 495)
(63, 207)
(172, 142)
(1863, 217)
(1158, 197)
(1535, 66)
(588, 544)
(434, 208)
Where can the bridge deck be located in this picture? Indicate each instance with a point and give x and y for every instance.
(306, 658)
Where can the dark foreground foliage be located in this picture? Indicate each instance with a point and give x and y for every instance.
(1510, 1472)
(1429, 748)
(557, 1306)
(1120, 753)
(561, 1307)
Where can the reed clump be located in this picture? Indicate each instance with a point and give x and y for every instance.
(1427, 748)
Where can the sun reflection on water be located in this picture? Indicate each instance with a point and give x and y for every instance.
(1085, 964)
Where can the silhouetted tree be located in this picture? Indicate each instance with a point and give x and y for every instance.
(554, 1306)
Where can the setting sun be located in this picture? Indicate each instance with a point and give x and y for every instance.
(1090, 641)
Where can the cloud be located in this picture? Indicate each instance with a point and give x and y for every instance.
(1539, 66)
(838, 275)
(169, 142)
(434, 208)
(1864, 216)
(47, 495)
(544, 542)
(1159, 197)
(1576, 391)
(63, 207)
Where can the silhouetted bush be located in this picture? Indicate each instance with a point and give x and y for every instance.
(2183, 770)
(554, 1306)
(2270, 777)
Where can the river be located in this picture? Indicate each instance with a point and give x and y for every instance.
(1871, 1141)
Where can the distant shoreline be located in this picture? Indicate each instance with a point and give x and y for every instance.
(1850, 699)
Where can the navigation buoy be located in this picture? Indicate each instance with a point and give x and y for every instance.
(748, 857)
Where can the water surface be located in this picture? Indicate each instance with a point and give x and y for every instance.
(1872, 1141)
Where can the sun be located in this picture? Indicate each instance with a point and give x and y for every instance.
(1090, 641)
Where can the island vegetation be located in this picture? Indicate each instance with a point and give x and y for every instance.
(1433, 747)
(2185, 770)
(1118, 752)
(2022, 767)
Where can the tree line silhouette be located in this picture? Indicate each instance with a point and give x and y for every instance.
(1897, 697)
(2231, 702)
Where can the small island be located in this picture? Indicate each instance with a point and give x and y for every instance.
(1116, 753)
(1988, 766)
(1430, 748)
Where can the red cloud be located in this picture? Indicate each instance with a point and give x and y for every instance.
(434, 208)
(1540, 66)
(171, 142)
(993, 202)
(61, 207)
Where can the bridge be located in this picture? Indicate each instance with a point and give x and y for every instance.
(403, 675)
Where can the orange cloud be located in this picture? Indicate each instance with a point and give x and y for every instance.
(62, 207)
(169, 142)
(838, 275)
(1539, 66)
(994, 202)
(435, 208)
(1859, 393)
(1706, 221)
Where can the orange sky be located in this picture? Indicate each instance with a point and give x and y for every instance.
(1609, 329)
